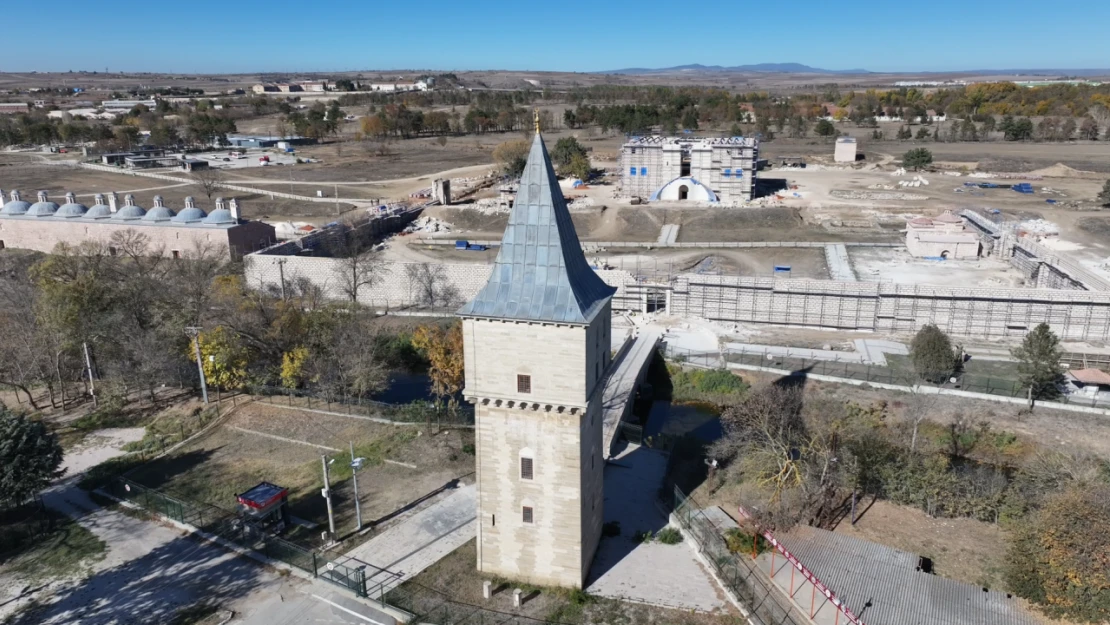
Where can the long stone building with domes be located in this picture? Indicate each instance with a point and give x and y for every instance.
(536, 348)
(41, 226)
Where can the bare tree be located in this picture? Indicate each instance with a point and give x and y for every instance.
(788, 457)
(360, 264)
(430, 286)
(210, 180)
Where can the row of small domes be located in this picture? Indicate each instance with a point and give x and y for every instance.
(129, 211)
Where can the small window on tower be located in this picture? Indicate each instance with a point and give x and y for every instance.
(524, 384)
(525, 468)
(643, 171)
(632, 171)
(527, 514)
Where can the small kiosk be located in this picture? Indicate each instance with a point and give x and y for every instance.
(265, 506)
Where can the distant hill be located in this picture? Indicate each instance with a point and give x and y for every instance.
(765, 68)
(798, 68)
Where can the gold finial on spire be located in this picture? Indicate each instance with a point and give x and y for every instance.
(536, 118)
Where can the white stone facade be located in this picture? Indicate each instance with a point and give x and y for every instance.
(943, 237)
(557, 425)
(727, 166)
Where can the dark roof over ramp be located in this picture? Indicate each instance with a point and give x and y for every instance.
(860, 571)
(540, 273)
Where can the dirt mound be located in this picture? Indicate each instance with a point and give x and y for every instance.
(1060, 170)
(469, 219)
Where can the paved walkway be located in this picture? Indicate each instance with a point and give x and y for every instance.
(621, 384)
(417, 541)
(868, 351)
(840, 267)
(652, 573)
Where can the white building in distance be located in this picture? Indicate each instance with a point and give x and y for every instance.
(679, 169)
(941, 237)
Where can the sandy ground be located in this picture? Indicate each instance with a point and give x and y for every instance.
(98, 447)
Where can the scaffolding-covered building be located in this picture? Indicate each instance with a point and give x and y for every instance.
(679, 168)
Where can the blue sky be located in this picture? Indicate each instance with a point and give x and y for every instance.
(279, 35)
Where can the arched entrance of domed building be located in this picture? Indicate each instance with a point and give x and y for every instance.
(683, 192)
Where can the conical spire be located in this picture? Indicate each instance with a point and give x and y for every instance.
(540, 273)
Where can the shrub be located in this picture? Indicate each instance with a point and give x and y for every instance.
(739, 541)
(643, 536)
(931, 351)
(669, 536)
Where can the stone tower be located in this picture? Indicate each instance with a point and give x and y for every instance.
(536, 344)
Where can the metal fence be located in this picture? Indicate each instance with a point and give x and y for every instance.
(234, 528)
(414, 412)
(740, 574)
(971, 382)
(431, 606)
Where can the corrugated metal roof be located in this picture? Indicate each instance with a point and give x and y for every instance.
(540, 273)
(1090, 376)
(861, 572)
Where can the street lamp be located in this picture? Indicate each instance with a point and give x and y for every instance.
(194, 333)
(356, 464)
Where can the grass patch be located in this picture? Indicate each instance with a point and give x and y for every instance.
(100, 475)
(669, 536)
(60, 552)
(715, 386)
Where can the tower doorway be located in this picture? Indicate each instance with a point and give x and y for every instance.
(684, 168)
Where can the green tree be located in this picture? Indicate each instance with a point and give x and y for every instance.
(917, 158)
(1104, 195)
(824, 128)
(30, 457)
(933, 358)
(1039, 362)
(565, 151)
(512, 156)
(690, 118)
(579, 167)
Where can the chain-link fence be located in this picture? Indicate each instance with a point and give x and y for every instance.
(230, 526)
(854, 370)
(431, 606)
(739, 573)
(439, 413)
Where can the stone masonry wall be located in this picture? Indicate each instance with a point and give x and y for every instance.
(400, 285)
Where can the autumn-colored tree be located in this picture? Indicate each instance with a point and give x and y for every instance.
(224, 358)
(1061, 559)
(292, 367)
(512, 156)
(443, 347)
(374, 126)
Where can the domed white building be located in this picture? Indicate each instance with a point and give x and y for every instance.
(43, 225)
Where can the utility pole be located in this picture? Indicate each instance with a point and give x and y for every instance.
(194, 333)
(281, 271)
(356, 464)
(88, 367)
(327, 496)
